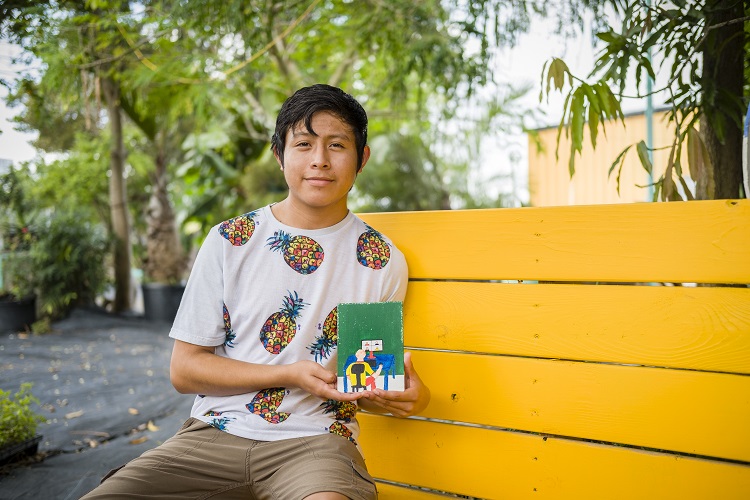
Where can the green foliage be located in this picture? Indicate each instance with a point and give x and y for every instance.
(18, 283)
(593, 103)
(17, 234)
(401, 175)
(68, 259)
(18, 421)
(201, 82)
(682, 35)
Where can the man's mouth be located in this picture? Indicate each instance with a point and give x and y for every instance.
(319, 181)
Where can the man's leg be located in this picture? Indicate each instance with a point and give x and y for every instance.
(327, 465)
(197, 462)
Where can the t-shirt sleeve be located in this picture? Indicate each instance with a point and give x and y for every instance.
(200, 318)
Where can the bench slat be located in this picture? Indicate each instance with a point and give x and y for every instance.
(692, 412)
(705, 328)
(433, 454)
(706, 241)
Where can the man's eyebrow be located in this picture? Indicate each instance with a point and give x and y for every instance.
(306, 133)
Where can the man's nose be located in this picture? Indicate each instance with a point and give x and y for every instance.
(320, 158)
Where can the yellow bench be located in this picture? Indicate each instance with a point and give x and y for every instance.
(551, 375)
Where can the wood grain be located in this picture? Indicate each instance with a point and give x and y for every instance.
(696, 242)
(509, 465)
(706, 328)
(684, 411)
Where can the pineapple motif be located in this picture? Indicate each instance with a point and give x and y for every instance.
(219, 423)
(238, 230)
(341, 430)
(281, 327)
(301, 253)
(266, 403)
(324, 343)
(342, 410)
(230, 335)
(372, 249)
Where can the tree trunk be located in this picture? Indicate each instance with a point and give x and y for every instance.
(165, 258)
(118, 199)
(723, 55)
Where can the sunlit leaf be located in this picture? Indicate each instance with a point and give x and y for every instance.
(643, 156)
(618, 164)
(557, 72)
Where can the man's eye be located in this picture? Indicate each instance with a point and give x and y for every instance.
(303, 144)
(337, 145)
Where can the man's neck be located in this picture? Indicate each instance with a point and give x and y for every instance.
(288, 214)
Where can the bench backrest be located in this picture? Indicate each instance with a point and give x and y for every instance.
(552, 374)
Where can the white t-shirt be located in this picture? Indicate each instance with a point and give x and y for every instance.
(266, 293)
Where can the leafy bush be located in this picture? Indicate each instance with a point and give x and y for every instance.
(68, 259)
(18, 422)
(17, 281)
(52, 248)
(16, 236)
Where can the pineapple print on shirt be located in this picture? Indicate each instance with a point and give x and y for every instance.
(301, 253)
(220, 422)
(281, 327)
(341, 430)
(323, 345)
(342, 410)
(228, 332)
(238, 230)
(372, 249)
(266, 403)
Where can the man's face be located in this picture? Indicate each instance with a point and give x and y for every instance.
(321, 169)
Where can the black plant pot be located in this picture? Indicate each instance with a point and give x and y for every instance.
(160, 302)
(16, 315)
(20, 450)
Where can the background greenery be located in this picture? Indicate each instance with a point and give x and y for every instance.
(18, 421)
(159, 112)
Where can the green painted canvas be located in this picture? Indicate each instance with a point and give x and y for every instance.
(370, 346)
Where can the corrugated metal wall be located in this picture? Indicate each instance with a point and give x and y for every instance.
(550, 183)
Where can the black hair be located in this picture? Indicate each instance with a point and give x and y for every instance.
(305, 102)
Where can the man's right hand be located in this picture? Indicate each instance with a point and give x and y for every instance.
(316, 380)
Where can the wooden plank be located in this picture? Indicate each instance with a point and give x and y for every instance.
(701, 241)
(692, 412)
(705, 328)
(496, 464)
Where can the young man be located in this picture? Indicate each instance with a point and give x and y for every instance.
(255, 336)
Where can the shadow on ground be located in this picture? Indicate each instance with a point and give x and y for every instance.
(103, 384)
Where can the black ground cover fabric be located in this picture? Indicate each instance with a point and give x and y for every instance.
(103, 384)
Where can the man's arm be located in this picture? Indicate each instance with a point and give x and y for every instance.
(197, 369)
(405, 403)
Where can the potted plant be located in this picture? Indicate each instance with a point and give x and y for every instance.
(18, 424)
(164, 261)
(17, 298)
(53, 258)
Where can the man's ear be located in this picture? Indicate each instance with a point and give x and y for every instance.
(365, 157)
(278, 160)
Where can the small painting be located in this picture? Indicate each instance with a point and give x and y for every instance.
(370, 346)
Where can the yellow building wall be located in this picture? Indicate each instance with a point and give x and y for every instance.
(549, 180)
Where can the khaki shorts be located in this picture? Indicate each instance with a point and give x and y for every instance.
(203, 462)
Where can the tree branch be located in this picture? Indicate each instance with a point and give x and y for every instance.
(273, 42)
(342, 68)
